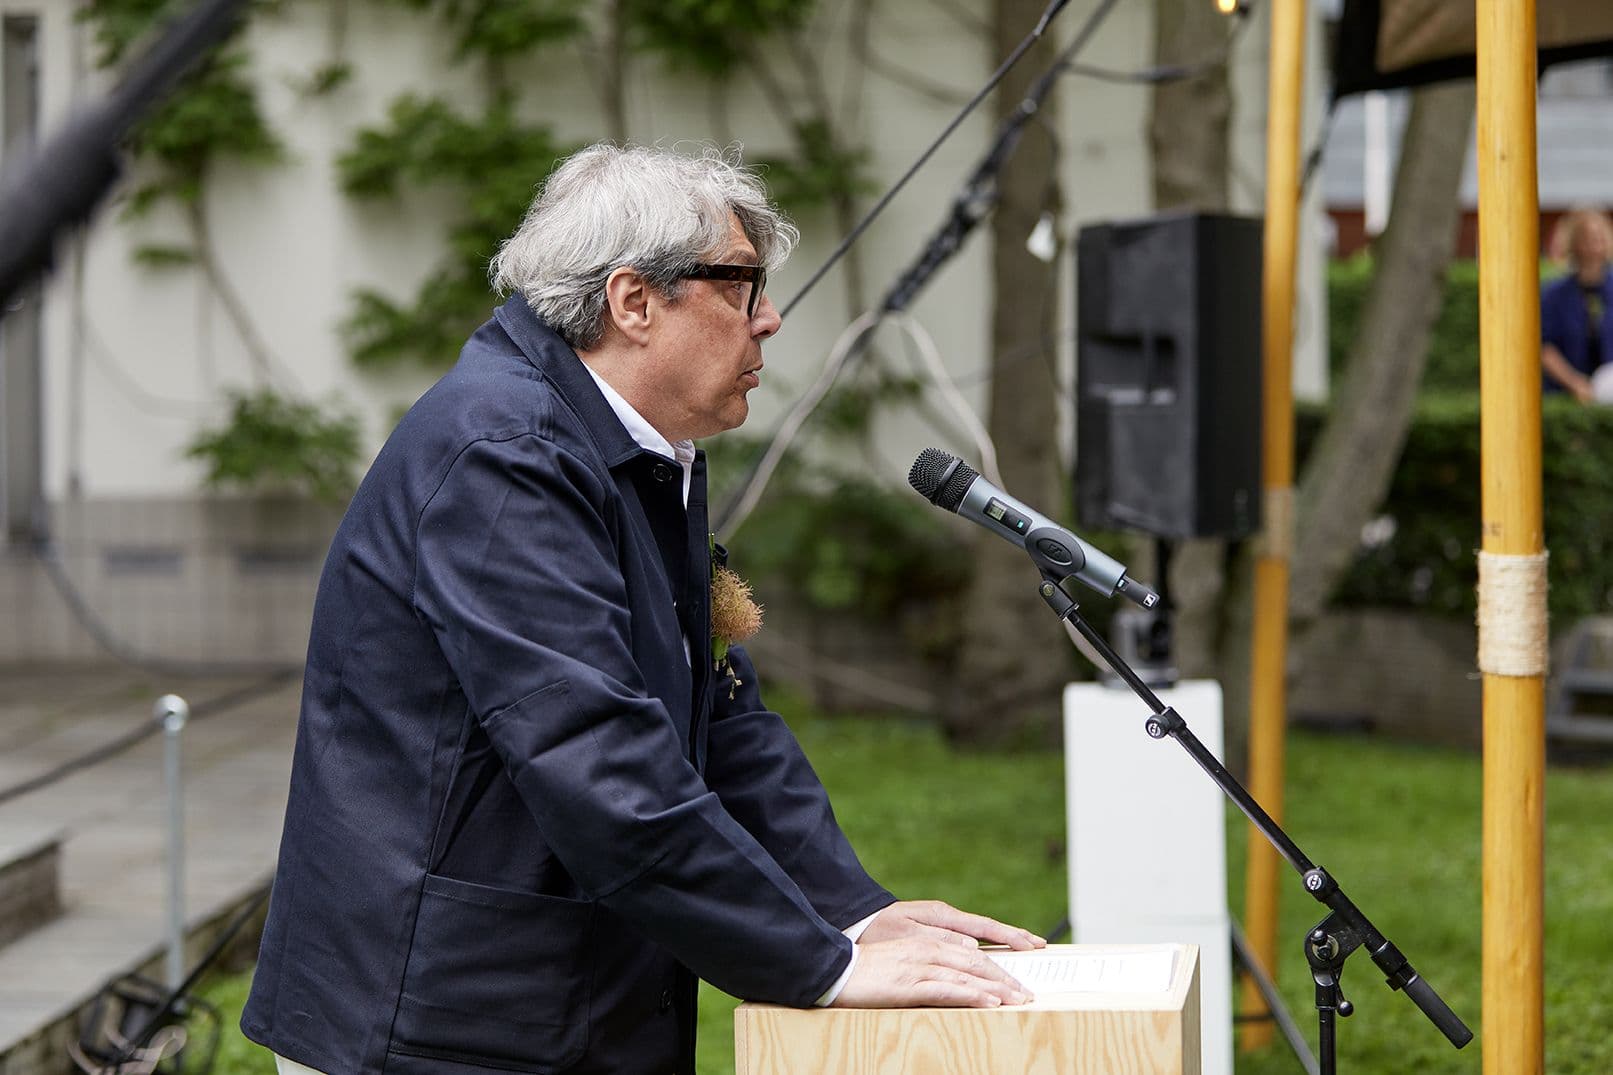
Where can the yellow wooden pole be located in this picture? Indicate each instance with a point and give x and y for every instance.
(1512, 602)
(1267, 694)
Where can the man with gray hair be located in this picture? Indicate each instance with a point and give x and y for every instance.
(528, 808)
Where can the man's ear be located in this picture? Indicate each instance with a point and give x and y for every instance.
(628, 299)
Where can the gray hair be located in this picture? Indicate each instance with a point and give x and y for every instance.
(607, 206)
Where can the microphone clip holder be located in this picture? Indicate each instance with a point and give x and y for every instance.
(1346, 928)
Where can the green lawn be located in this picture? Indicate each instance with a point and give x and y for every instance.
(1398, 826)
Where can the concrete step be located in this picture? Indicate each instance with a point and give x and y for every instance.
(112, 817)
(50, 979)
(30, 880)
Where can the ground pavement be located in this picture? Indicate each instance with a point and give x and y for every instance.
(83, 874)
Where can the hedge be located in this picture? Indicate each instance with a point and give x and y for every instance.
(1420, 552)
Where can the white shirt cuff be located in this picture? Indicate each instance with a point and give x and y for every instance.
(852, 932)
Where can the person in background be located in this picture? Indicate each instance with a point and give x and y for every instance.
(1576, 309)
(533, 799)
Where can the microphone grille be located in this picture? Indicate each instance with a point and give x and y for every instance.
(941, 478)
(951, 494)
(929, 470)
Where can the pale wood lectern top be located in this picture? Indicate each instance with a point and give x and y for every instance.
(1099, 1010)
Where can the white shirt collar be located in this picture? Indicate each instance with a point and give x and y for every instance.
(644, 434)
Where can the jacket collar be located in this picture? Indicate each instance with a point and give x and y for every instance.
(553, 357)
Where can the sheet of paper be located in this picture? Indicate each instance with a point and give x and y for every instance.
(1108, 972)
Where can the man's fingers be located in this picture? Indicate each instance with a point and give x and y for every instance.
(989, 929)
(923, 972)
(980, 970)
(952, 995)
(946, 916)
(946, 936)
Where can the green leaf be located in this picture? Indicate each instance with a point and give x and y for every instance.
(710, 37)
(160, 256)
(273, 443)
(496, 161)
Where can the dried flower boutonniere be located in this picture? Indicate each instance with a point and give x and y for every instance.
(735, 617)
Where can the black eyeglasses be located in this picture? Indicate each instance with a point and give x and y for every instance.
(754, 275)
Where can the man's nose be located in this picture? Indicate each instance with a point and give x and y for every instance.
(766, 321)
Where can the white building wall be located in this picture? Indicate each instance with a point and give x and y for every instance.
(295, 246)
(137, 361)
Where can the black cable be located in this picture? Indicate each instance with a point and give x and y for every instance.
(1313, 159)
(979, 194)
(138, 1041)
(1146, 75)
(862, 225)
(975, 201)
(144, 730)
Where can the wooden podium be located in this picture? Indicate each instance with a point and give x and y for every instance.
(1146, 1026)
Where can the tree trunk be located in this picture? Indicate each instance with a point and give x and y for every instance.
(1348, 472)
(1187, 135)
(1015, 656)
(1188, 118)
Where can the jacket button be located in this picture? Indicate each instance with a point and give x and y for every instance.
(661, 472)
(666, 1001)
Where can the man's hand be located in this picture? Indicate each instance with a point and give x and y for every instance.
(937, 921)
(919, 972)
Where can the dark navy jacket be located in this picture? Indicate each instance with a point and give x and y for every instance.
(521, 819)
(1565, 325)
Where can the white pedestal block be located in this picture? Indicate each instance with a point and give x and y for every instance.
(1147, 838)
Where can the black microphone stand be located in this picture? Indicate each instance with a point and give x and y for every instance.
(1345, 928)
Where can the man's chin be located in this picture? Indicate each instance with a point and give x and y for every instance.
(735, 416)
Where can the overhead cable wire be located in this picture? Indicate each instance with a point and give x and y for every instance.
(850, 339)
(948, 388)
(997, 76)
(972, 204)
(978, 197)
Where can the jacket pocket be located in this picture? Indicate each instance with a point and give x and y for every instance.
(496, 976)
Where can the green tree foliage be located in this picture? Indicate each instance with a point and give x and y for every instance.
(493, 160)
(851, 544)
(496, 160)
(1419, 553)
(1453, 350)
(274, 444)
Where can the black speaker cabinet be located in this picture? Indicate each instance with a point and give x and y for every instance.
(1168, 375)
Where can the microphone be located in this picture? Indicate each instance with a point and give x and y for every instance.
(948, 482)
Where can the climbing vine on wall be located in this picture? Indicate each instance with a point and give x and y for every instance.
(269, 439)
(491, 157)
(213, 117)
(495, 160)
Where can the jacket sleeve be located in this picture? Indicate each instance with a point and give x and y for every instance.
(519, 576)
(756, 766)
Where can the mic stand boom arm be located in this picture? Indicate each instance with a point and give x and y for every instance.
(1345, 929)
